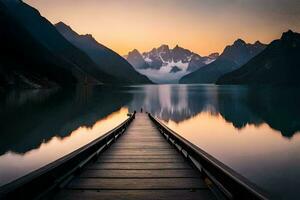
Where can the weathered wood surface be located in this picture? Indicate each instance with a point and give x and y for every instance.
(145, 173)
(140, 165)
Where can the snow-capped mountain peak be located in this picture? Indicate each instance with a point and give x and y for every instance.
(164, 56)
(169, 65)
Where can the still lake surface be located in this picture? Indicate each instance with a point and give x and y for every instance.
(255, 131)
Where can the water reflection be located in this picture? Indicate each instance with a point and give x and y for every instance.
(38, 127)
(28, 120)
(14, 165)
(253, 130)
(278, 107)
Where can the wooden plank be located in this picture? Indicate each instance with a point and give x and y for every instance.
(138, 135)
(153, 146)
(132, 141)
(140, 161)
(133, 184)
(140, 151)
(139, 156)
(135, 142)
(183, 173)
(139, 166)
(143, 160)
(142, 144)
(142, 147)
(146, 139)
(144, 154)
(153, 141)
(135, 194)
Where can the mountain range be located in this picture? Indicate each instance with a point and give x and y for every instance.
(35, 55)
(278, 64)
(233, 57)
(108, 61)
(163, 64)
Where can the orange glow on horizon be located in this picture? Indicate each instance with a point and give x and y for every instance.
(201, 26)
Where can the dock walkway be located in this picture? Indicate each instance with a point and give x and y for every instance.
(139, 165)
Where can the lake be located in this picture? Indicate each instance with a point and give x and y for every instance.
(255, 131)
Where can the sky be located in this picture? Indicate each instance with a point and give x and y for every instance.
(203, 26)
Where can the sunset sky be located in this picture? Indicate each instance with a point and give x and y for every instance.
(203, 26)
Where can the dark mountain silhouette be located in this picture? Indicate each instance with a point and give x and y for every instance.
(106, 59)
(231, 59)
(38, 52)
(210, 73)
(25, 62)
(240, 52)
(278, 64)
(136, 60)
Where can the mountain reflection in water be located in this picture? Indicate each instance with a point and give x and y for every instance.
(32, 117)
(255, 131)
(41, 126)
(278, 107)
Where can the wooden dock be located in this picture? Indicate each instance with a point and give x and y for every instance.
(139, 165)
(139, 159)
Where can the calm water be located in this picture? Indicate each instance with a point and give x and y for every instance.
(254, 131)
